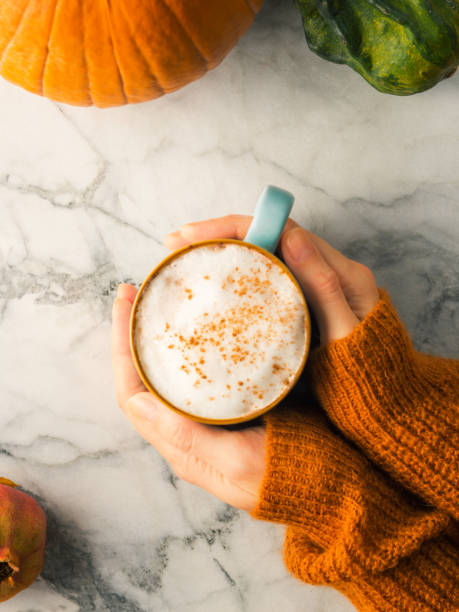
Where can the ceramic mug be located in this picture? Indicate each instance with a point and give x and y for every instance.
(270, 215)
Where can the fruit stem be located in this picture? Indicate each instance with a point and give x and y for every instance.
(5, 570)
(6, 481)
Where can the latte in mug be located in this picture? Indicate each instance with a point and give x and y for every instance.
(220, 331)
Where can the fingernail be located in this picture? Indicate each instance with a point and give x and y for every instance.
(297, 245)
(143, 407)
(172, 235)
(126, 292)
(187, 230)
(123, 289)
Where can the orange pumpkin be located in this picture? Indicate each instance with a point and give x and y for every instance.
(113, 52)
(22, 539)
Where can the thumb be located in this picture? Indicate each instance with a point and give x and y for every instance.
(320, 283)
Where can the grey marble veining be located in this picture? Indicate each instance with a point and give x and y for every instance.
(85, 198)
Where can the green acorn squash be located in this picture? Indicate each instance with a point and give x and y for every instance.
(400, 47)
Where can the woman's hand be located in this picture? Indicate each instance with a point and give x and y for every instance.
(341, 292)
(230, 464)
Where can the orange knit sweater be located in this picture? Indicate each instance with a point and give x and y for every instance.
(367, 483)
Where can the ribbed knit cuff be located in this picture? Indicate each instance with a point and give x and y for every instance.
(425, 581)
(300, 481)
(351, 518)
(397, 405)
(376, 358)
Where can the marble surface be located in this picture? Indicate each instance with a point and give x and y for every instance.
(85, 198)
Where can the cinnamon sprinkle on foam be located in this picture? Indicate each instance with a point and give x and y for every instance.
(248, 317)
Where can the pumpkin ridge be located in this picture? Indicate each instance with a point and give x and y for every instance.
(7, 46)
(403, 19)
(139, 50)
(110, 24)
(47, 47)
(337, 24)
(83, 27)
(123, 51)
(188, 35)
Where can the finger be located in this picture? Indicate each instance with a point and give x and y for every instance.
(356, 280)
(215, 459)
(320, 284)
(121, 313)
(230, 226)
(127, 381)
(186, 436)
(126, 291)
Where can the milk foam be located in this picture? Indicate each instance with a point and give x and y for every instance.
(220, 331)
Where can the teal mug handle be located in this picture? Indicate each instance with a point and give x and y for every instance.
(269, 218)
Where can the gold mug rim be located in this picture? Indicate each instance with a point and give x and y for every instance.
(208, 421)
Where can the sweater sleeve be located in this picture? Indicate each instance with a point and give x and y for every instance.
(399, 406)
(425, 581)
(349, 525)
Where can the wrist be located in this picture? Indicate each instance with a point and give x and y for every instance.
(373, 366)
(308, 472)
(345, 517)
